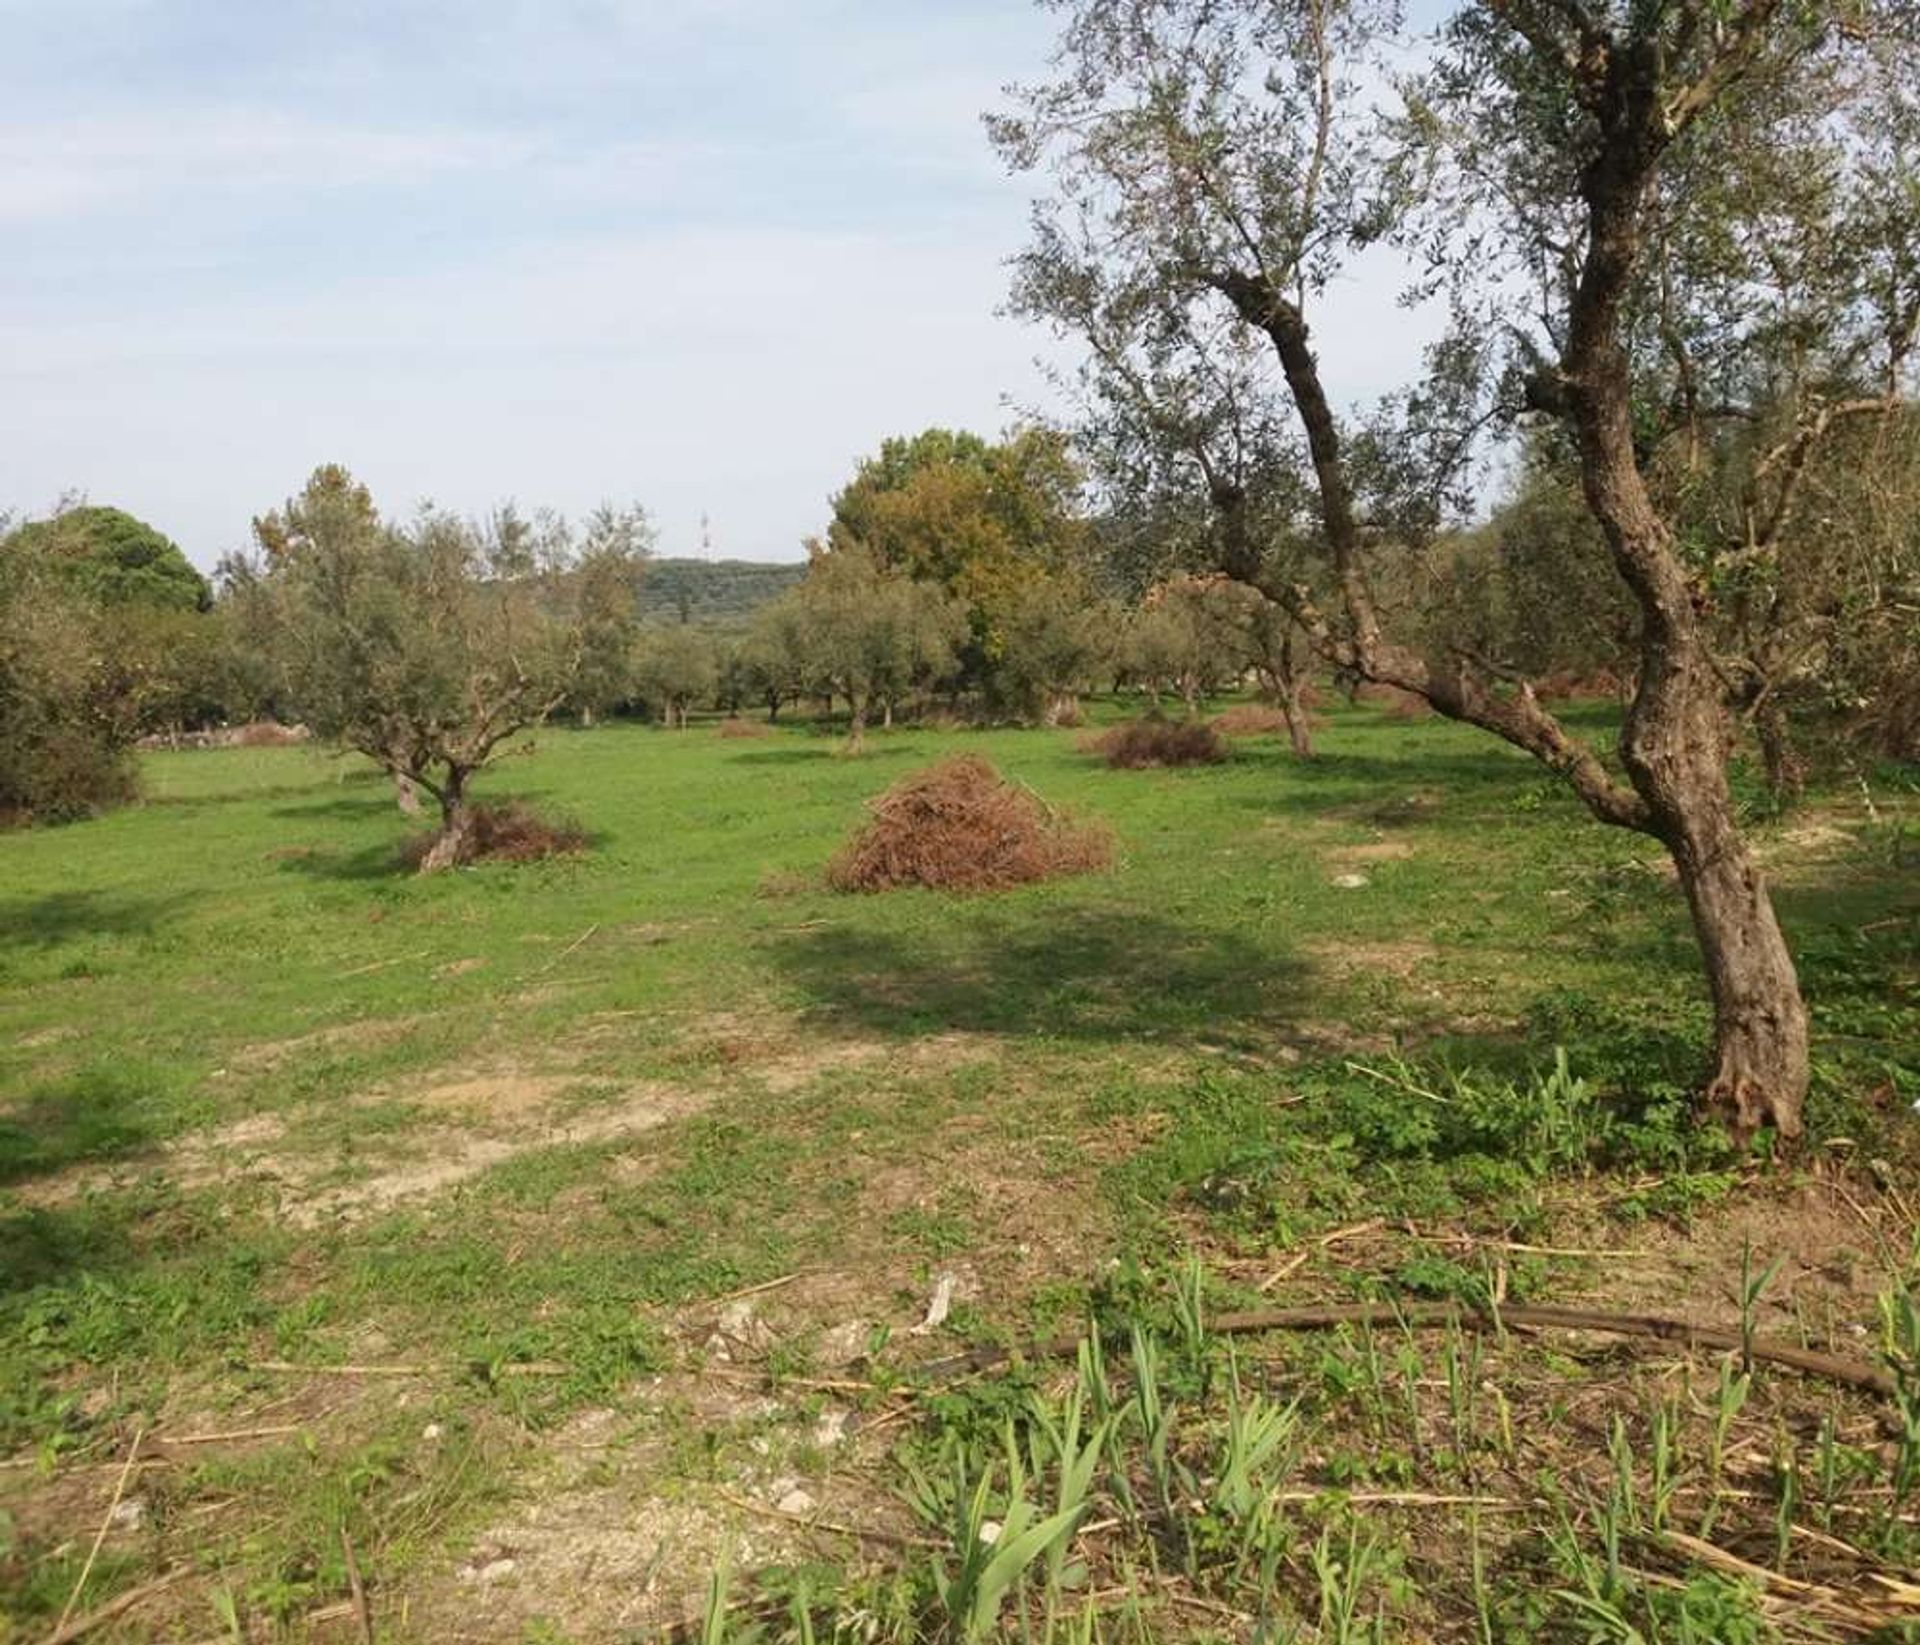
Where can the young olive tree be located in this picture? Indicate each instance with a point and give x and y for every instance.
(1192, 635)
(425, 646)
(874, 635)
(1057, 637)
(675, 666)
(615, 544)
(1222, 155)
(1181, 429)
(774, 657)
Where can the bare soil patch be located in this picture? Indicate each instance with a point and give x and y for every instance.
(1370, 851)
(1401, 959)
(347, 1036)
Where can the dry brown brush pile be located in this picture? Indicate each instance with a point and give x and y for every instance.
(1251, 720)
(737, 727)
(1402, 705)
(504, 832)
(1155, 742)
(960, 826)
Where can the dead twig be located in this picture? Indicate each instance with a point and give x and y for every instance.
(357, 1588)
(756, 1290)
(519, 1368)
(114, 1608)
(100, 1536)
(1826, 1600)
(231, 1436)
(381, 965)
(576, 943)
(1300, 1258)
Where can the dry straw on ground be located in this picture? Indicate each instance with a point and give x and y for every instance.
(960, 826)
(1156, 742)
(504, 832)
(736, 727)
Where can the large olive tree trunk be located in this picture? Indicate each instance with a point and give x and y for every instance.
(1677, 735)
(1675, 742)
(456, 825)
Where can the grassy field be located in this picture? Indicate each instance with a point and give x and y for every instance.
(500, 1256)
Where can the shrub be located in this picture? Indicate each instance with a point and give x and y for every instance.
(503, 832)
(1157, 742)
(60, 772)
(960, 826)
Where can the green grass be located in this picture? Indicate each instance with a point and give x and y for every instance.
(1030, 1085)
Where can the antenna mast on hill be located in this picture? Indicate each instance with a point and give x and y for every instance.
(706, 536)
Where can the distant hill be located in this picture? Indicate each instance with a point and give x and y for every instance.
(712, 591)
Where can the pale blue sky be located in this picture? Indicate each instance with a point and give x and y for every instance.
(702, 253)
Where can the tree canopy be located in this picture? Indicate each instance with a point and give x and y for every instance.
(110, 556)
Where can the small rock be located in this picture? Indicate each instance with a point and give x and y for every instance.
(938, 1306)
(796, 1501)
(130, 1514)
(1350, 882)
(493, 1571)
(831, 1428)
(845, 1343)
(741, 1326)
(431, 1432)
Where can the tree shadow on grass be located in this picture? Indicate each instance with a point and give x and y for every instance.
(57, 917)
(1113, 975)
(86, 1118)
(380, 861)
(1389, 793)
(42, 1245)
(831, 751)
(347, 805)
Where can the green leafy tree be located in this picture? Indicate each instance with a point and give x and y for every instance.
(64, 750)
(1223, 160)
(875, 635)
(1059, 637)
(675, 666)
(775, 659)
(605, 579)
(975, 518)
(114, 559)
(1192, 635)
(426, 647)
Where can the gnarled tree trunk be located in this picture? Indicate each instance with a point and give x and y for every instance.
(456, 825)
(1290, 687)
(1676, 739)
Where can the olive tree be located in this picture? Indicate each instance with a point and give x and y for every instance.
(875, 635)
(675, 665)
(1057, 636)
(426, 646)
(1223, 154)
